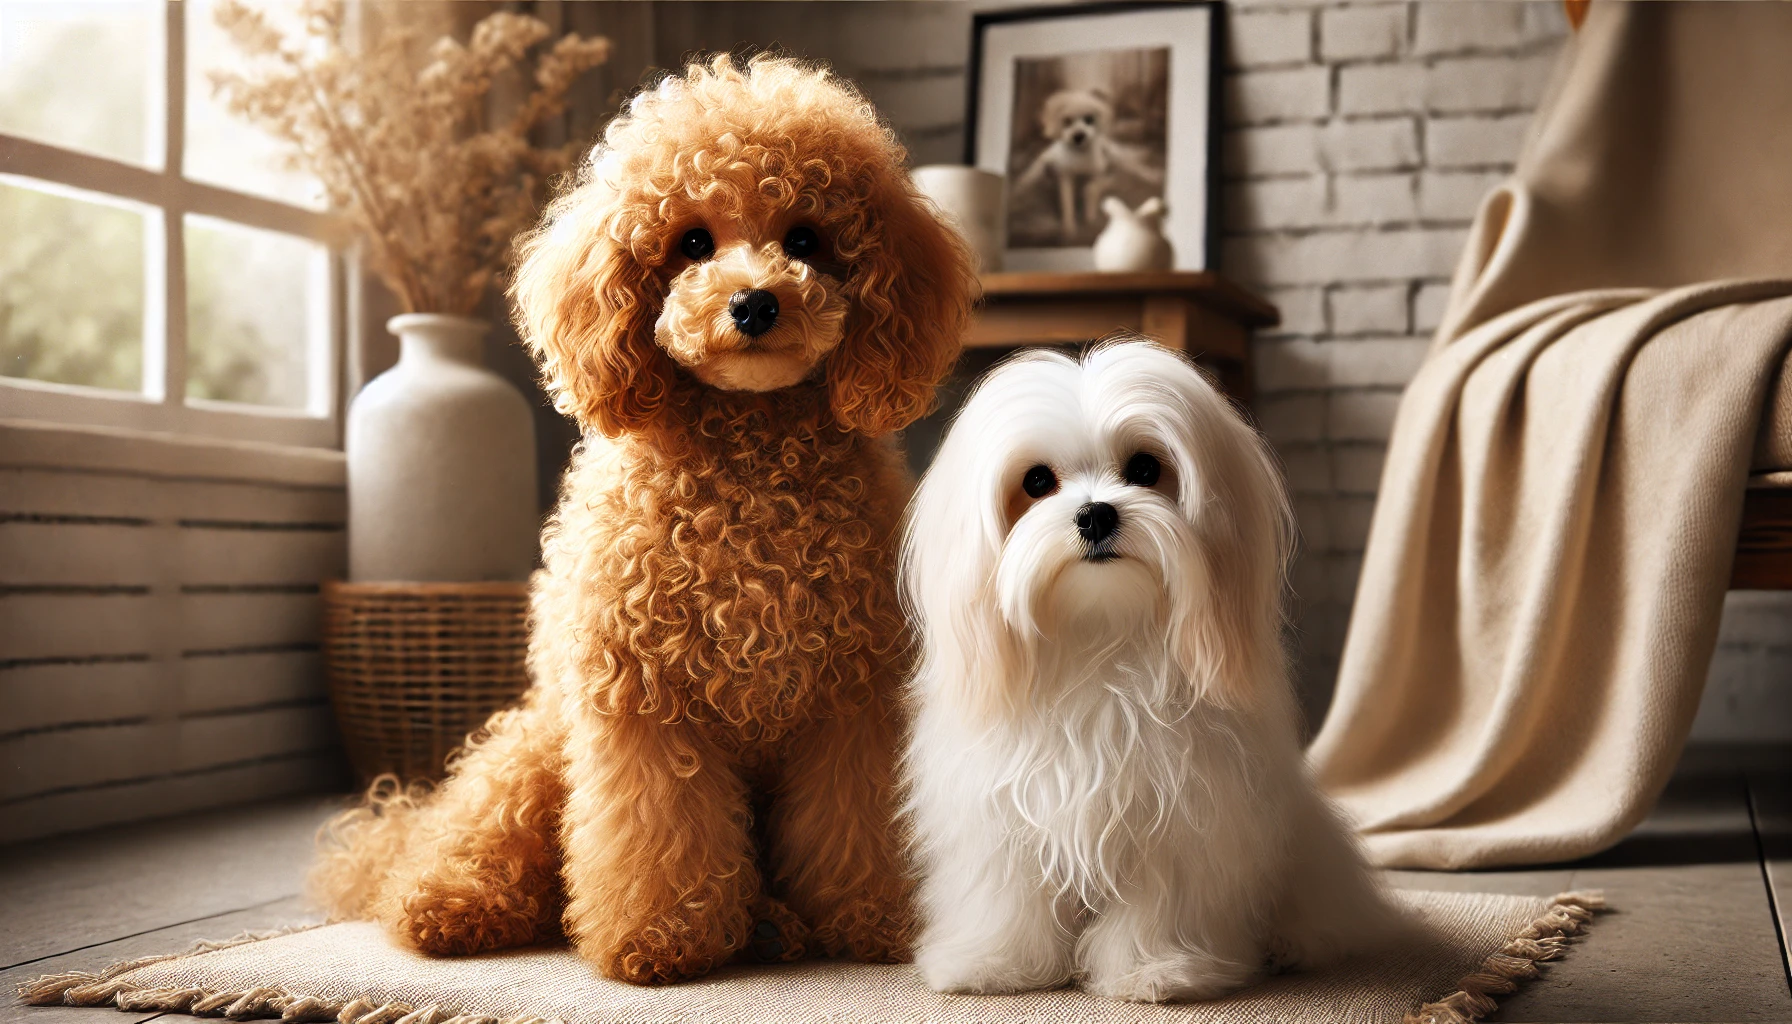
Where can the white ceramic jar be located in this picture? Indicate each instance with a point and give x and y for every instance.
(441, 463)
(972, 201)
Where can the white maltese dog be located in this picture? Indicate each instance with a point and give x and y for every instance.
(1105, 775)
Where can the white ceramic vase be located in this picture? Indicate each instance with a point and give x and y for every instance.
(1134, 239)
(972, 201)
(441, 463)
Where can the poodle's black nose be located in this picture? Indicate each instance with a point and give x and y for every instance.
(754, 311)
(1097, 521)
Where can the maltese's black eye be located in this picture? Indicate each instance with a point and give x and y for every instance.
(801, 243)
(1142, 470)
(697, 244)
(1039, 482)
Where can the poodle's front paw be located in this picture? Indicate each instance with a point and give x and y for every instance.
(777, 935)
(1173, 979)
(669, 948)
(443, 919)
(952, 970)
(868, 930)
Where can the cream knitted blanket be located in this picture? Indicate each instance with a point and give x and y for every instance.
(1544, 575)
(1545, 572)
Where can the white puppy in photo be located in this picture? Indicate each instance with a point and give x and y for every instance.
(1105, 776)
(1083, 158)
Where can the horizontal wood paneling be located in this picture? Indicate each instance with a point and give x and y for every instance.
(173, 794)
(908, 56)
(212, 740)
(881, 38)
(95, 756)
(45, 696)
(264, 556)
(63, 554)
(80, 553)
(159, 624)
(77, 493)
(258, 503)
(73, 493)
(249, 680)
(235, 621)
(36, 626)
(51, 694)
(918, 101)
(49, 761)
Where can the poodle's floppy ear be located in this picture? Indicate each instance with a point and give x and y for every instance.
(586, 307)
(913, 302)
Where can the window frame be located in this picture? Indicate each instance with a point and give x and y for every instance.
(166, 196)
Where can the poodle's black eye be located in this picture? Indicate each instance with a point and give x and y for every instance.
(1039, 482)
(801, 243)
(697, 244)
(1142, 470)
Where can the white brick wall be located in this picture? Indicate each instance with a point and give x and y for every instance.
(1359, 140)
(1270, 38)
(1368, 32)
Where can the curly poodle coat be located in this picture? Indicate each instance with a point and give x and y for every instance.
(704, 764)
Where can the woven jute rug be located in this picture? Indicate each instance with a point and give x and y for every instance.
(1474, 947)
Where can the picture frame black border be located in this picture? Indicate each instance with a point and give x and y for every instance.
(1216, 74)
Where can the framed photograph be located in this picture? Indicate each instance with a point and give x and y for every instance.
(1075, 104)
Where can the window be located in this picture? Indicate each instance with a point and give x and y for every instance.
(159, 268)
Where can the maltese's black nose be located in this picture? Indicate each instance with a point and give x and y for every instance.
(754, 311)
(1097, 521)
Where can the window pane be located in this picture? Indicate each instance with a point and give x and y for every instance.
(71, 288)
(84, 74)
(222, 148)
(255, 311)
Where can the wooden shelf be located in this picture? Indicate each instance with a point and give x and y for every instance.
(1198, 312)
(1211, 288)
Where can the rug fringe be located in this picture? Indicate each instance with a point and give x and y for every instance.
(88, 988)
(1546, 938)
(93, 989)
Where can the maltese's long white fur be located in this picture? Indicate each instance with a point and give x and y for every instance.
(1104, 777)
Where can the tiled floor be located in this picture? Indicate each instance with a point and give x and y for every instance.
(1695, 934)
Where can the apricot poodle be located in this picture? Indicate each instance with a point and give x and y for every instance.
(739, 301)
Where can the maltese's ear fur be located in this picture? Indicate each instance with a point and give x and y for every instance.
(986, 564)
(1104, 772)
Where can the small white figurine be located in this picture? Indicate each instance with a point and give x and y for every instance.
(1133, 239)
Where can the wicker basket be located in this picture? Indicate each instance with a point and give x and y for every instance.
(414, 667)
